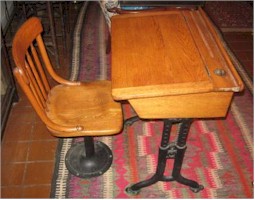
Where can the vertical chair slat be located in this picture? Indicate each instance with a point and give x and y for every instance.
(48, 64)
(37, 77)
(40, 68)
(38, 100)
(33, 84)
(44, 54)
(24, 82)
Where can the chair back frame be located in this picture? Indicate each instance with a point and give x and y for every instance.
(29, 70)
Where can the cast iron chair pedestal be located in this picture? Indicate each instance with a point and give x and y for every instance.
(174, 150)
(88, 159)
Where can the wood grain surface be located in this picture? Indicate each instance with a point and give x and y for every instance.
(168, 53)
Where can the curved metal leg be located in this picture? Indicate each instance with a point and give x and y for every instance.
(162, 158)
(135, 188)
(181, 148)
(174, 151)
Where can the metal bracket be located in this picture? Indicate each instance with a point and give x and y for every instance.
(171, 151)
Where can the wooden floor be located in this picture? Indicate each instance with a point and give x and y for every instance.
(28, 149)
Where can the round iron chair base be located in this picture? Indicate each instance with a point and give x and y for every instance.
(86, 167)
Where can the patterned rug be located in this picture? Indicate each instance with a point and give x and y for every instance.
(219, 153)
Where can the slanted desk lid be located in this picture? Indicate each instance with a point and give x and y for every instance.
(168, 53)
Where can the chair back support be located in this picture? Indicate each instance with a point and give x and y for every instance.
(29, 70)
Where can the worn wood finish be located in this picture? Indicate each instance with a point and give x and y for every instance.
(176, 56)
(177, 51)
(69, 109)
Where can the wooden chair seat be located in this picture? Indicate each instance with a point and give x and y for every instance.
(89, 105)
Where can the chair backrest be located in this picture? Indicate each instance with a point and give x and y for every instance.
(29, 70)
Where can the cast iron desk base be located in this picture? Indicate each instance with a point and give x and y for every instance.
(174, 150)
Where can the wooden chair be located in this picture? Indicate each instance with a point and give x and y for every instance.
(70, 109)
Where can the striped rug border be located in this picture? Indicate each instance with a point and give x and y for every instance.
(77, 43)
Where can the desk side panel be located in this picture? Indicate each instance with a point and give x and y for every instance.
(203, 105)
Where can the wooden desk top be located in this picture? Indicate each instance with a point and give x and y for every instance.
(166, 53)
